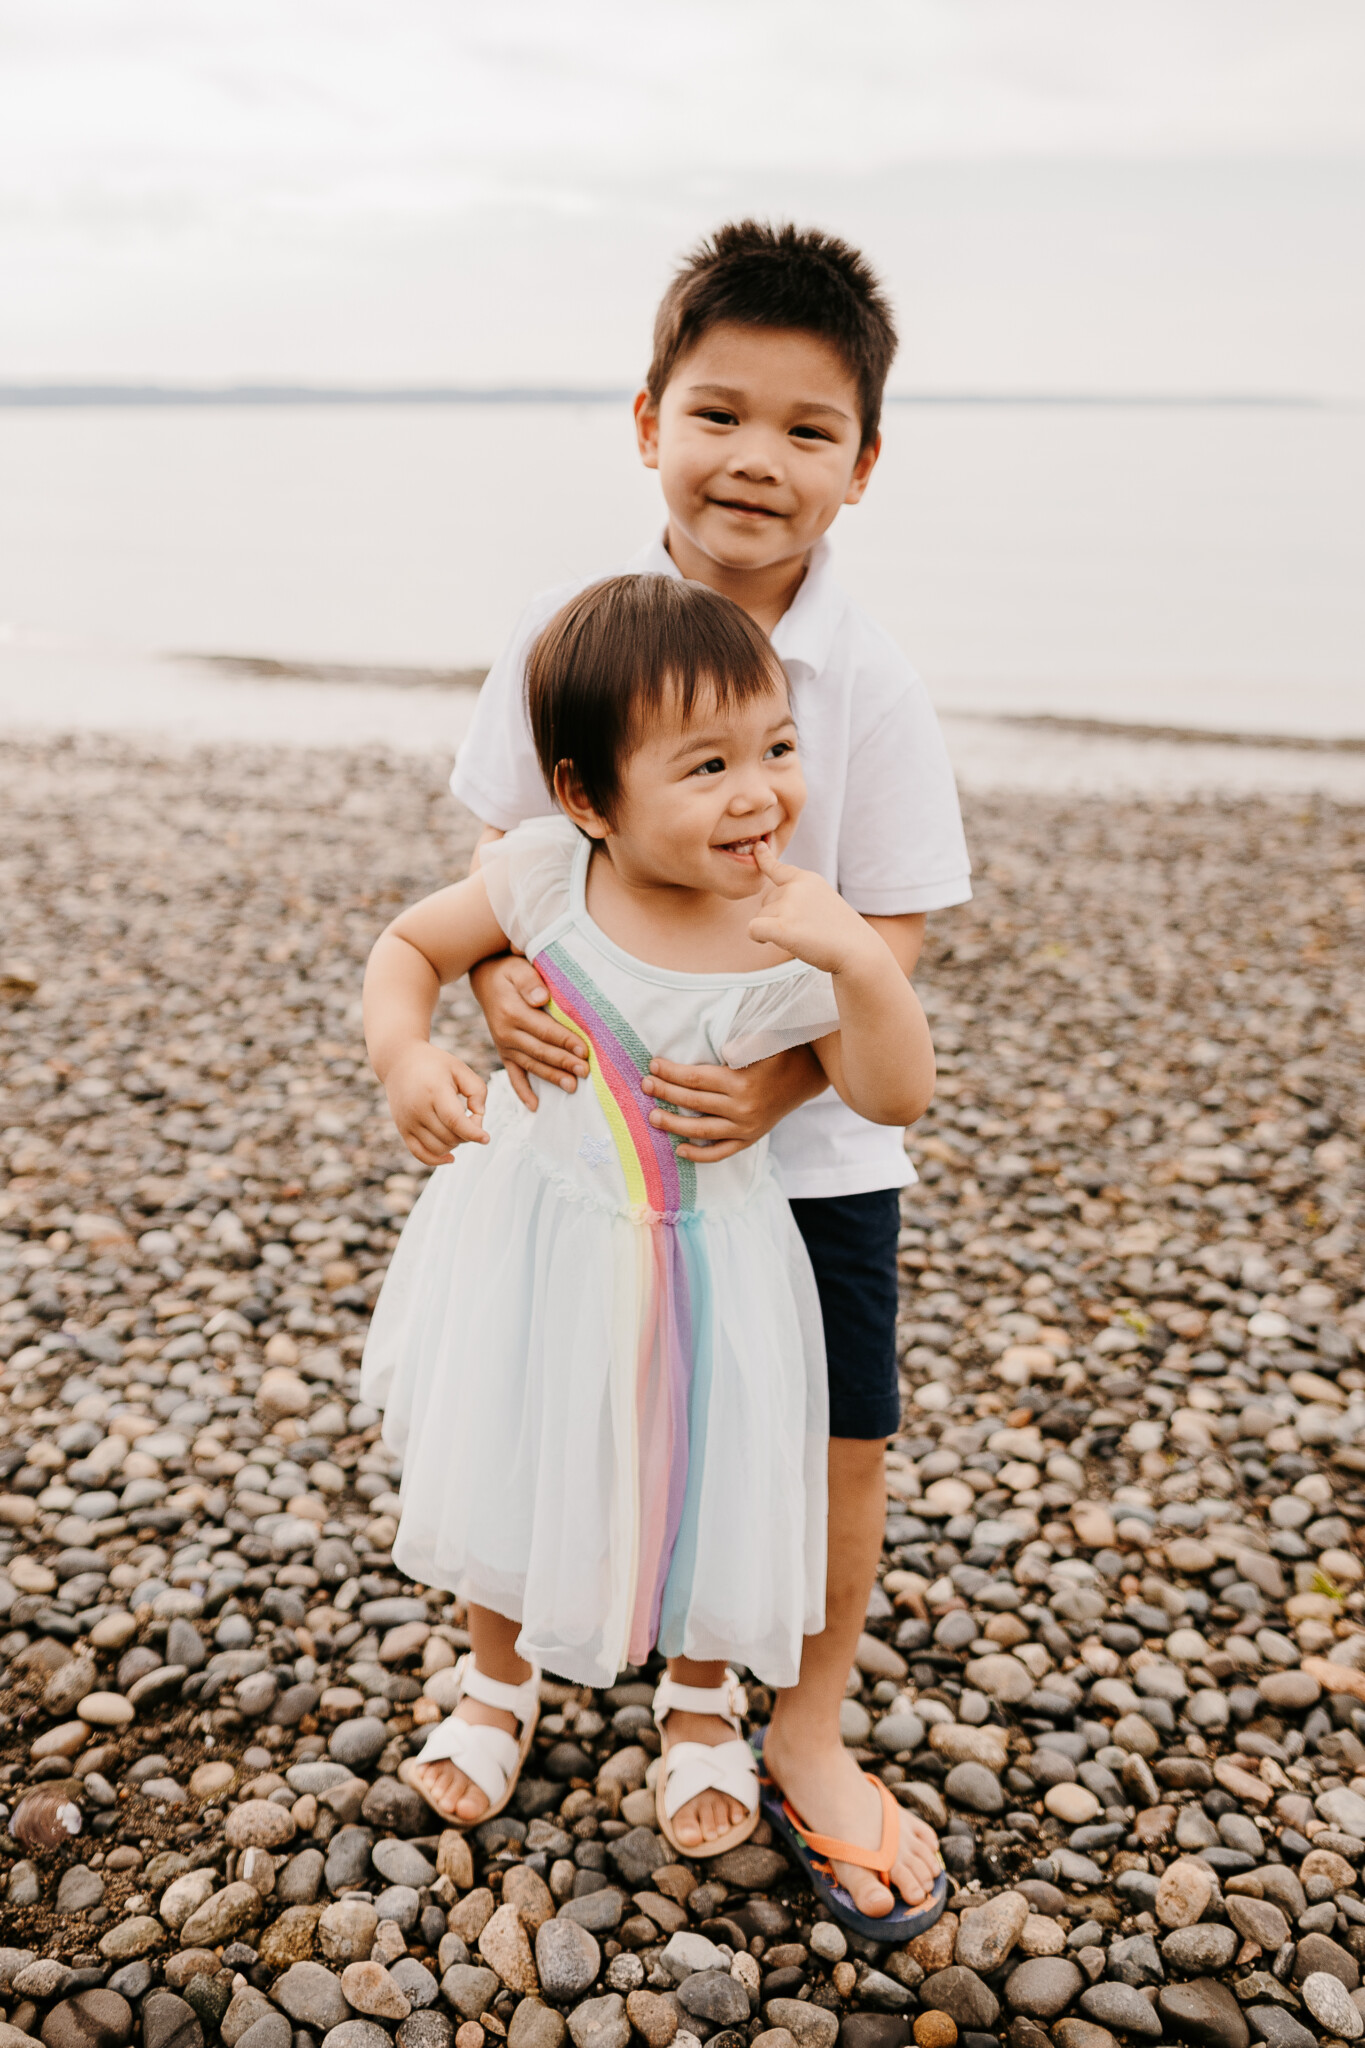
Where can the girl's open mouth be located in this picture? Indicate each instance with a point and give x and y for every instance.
(745, 849)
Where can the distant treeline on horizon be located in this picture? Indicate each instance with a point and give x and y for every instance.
(114, 394)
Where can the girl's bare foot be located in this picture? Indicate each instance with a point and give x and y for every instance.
(830, 1793)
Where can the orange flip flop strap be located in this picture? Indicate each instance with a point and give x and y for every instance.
(878, 1860)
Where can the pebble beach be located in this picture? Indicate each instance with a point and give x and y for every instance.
(1117, 1652)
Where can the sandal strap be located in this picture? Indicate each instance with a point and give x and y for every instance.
(487, 1756)
(691, 1768)
(879, 1860)
(727, 1700)
(520, 1700)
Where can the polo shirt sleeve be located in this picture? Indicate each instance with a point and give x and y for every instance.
(901, 844)
(496, 773)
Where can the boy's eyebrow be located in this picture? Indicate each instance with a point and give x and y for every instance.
(732, 392)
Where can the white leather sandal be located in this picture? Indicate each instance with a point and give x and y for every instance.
(489, 1757)
(690, 1768)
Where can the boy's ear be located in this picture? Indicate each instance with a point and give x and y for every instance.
(862, 470)
(646, 429)
(575, 806)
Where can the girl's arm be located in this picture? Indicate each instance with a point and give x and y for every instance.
(881, 1059)
(435, 1100)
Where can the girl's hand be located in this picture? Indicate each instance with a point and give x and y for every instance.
(807, 918)
(512, 997)
(437, 1103)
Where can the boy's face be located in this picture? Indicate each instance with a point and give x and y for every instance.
(757, 441)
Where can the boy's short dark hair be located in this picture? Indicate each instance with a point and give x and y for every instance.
(620, 652)
(761, 276)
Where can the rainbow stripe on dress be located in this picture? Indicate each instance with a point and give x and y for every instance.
(672, 1358)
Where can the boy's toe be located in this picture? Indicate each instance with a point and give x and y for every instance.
(866, 1890)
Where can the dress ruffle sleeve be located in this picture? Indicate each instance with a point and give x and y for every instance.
(776, 1015)
(528, 876)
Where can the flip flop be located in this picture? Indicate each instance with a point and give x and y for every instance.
(816, 1853)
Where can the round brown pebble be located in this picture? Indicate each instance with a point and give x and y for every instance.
(469, 2034)
(935, 2030)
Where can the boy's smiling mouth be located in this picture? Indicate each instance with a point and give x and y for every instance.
(747, 509)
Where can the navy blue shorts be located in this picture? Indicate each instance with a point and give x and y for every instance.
(852, 1244)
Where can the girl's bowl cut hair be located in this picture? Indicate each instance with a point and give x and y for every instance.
(623, 652)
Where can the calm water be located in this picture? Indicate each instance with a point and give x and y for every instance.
(1195, 567)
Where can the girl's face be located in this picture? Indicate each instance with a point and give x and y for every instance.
(697, 795)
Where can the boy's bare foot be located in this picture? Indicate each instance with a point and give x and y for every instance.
(711, 1814)
(829, 1792)
(445, 1785)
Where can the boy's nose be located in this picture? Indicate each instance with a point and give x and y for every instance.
(757, 459)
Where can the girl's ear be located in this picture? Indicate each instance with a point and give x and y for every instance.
(575, 806)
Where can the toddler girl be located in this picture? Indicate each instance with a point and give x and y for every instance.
(603, 1363)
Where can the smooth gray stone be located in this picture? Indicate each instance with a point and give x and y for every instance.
(599, 1912)
(469, 1989)
(432, 2029)
(169, 2022)
(1043, 1986)
(600, 2023)
(567, 1958)
(1121, 2006)
(400, 1863)
(399, 1902)
(312, 1996)
(1194, 1951)
(716, 1996)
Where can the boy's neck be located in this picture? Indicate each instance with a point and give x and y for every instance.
(765, 593)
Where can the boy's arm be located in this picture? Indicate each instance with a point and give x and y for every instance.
(435, 1099)
(733, 1107)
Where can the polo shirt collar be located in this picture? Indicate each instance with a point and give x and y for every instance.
(805, 633)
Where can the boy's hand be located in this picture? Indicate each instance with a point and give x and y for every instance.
(807, 918)
(512, 997)
(437, 1103)
(733, 1108)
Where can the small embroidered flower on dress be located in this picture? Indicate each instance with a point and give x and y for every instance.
(597, 1151)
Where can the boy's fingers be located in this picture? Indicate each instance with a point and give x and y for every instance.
(558, 1075)
(542, 1035)
(710, 1127)
(551, 1053)
(680, 1076)
(708, 1154)
(704, 1100)
(526, 981)
(521, 1087)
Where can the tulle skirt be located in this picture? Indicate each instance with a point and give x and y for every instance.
(613, 1426)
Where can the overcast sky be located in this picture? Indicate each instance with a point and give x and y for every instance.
(1063, 194)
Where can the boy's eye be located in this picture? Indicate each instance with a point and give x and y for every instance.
(811, 433)
(719, 416)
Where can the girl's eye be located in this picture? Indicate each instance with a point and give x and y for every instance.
(778, 749)
(712, 767)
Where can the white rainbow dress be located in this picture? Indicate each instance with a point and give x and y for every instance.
(603, 1365)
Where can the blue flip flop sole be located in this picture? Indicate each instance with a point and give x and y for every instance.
(902, 1924)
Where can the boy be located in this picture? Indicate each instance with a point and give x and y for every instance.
(760, 412)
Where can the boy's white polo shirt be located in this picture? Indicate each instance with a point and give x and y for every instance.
(881, 820)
